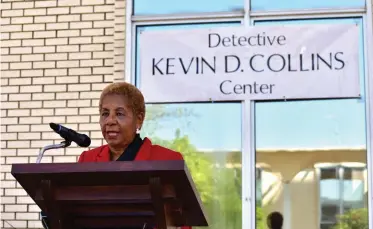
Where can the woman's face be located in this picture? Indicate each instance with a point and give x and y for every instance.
(118, 122)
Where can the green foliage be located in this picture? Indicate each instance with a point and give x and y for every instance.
(260, 218)
(198, 164)
(219, 187)
(353, 219)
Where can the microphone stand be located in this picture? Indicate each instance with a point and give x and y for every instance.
(63, 144)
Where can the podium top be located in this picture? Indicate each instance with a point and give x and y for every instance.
(122, 182)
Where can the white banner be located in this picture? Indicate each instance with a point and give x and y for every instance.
(256, 63)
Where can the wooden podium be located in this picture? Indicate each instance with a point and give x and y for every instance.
(113, 194)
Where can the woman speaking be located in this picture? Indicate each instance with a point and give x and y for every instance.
(122, 113)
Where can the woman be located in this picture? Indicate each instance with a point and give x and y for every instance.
(122, 113)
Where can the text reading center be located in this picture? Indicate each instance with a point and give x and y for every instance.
(227, 87)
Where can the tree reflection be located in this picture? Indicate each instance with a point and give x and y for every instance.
(353, 219)
(217, 179)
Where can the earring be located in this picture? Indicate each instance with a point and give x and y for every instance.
(137, 131)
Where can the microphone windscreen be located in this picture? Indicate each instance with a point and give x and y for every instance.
(54, 126)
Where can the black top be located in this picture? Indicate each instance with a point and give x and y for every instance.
(128, 155)
(133, 148)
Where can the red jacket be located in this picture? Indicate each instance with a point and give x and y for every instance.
(147, 152)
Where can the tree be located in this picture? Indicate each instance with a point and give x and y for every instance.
(219, 187)
(156, 114)
(198, 164)
(353, 219)
(260, 218)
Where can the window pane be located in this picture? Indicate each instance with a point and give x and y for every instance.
(353, 188)
(293, 137)
(147, 7)
(329, 174)
(313, 124)
(258, 186)
(326, 226)
(211, 149)
(286, 5)
(329, 212)
(209, 137)
(329, 187)
(330, 197)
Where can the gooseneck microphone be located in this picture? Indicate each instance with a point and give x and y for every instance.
(70, 135)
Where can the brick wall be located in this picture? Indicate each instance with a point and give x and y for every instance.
(56, 57)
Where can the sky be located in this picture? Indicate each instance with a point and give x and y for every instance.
(301, 124)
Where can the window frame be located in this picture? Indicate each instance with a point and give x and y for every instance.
(339, 169)
(248, 107)
(368, 45)
(368, 87)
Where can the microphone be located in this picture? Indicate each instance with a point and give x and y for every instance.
(81, 140)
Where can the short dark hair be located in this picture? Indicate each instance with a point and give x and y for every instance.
(275, 220)
(129, 92)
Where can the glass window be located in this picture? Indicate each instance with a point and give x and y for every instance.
(152, 7)
(209, 137)
(287, 5)
(304, 124)
(341, 194)
(295, 136)
(259, 197)
(329, 196)
(258, 186)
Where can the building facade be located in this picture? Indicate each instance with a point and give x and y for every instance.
(309, 160)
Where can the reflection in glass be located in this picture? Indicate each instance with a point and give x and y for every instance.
(209, 137)
(329, 196)
(312, 155)
(340, 194)
(258, 186)
(151, 7)
(209, 147)
(287, 5)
